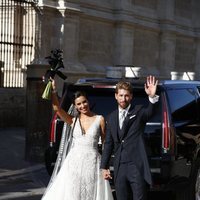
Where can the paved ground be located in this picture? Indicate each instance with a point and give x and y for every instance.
(19, 179)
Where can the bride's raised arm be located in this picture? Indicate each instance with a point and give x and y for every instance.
(56, 105)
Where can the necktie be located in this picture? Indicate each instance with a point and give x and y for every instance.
(121, 118)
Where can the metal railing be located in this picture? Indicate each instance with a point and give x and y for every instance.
(17, 37)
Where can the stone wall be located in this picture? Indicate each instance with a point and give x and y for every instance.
(12, 107)
(146, 50)
(96, 44)
(158, 36)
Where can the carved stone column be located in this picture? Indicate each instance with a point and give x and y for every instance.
(168, 37)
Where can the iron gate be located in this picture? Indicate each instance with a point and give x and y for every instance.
(17, 37)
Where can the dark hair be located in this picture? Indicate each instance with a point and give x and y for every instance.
(78, 94)
(124, 85)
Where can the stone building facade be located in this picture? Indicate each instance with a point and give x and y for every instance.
(160, 36)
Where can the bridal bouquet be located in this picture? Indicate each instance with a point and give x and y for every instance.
(56, 62)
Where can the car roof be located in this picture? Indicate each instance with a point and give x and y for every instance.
(136, 82)
(110, 81)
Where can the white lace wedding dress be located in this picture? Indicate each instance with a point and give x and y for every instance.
(80, 177)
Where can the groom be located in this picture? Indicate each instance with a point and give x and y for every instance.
(124, 135)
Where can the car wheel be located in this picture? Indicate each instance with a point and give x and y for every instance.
(195, 180)
(197, 188)
(192, 189)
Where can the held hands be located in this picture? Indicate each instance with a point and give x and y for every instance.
(151, 86)
(106, 174)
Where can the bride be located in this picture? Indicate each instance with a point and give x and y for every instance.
(80, 177)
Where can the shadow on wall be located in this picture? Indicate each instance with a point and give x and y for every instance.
(12, 107)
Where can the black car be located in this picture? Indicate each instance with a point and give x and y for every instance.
(172, 136)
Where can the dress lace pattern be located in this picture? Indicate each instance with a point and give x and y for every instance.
(79, 177)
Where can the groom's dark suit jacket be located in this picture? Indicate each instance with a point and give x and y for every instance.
(127, 143)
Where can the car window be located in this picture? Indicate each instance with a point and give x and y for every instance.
(102, 102)
(143, 99)
(183, 105)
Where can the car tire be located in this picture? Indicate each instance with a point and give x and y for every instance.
(197, 188)
(193, 188)
(194, 179)
(50, 159)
